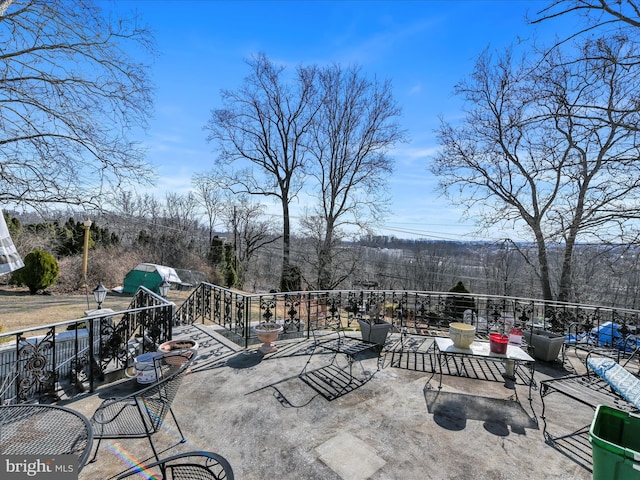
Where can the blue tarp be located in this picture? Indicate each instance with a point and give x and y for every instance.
(606, 335)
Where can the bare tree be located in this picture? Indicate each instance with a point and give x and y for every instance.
(502, 265)
(597, 14)
(264, 126)
(251, 232)
(181, 212)
(209, 195)
(69, 94)
(352, 133)
(330, 263)
(547, 148)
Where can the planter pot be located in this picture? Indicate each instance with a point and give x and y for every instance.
(374, 332)
(268, 332)
(177, 346)
(546, 345)
(180, 349)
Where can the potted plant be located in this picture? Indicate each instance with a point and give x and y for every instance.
(546, 345)
(374, 330)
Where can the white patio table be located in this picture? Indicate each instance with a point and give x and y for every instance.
(480, 350)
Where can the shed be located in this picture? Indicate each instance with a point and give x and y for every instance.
(149, 275)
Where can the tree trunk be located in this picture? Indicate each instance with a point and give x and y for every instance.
(324, 259)
(564, 293)
(543, 260)
(4, 4)
(286, 235)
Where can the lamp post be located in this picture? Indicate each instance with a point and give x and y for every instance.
(164, 288)
(100, 293)
(85, 258)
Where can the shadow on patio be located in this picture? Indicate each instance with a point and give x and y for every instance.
(256, 412)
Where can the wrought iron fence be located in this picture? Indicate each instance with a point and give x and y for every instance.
(412, 312)
(71, 356)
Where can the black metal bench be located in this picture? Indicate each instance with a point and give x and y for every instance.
(332, 379)
(588, 389)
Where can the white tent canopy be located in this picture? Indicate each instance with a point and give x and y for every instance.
(9, 258)
(167, 273)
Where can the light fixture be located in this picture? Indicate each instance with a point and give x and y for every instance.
(164, 288)
(100, 293)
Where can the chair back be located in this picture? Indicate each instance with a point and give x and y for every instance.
(155, 400)
(326, 316)
(187, 466)
(201, 466)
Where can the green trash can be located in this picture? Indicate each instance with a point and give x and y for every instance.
(615, 443)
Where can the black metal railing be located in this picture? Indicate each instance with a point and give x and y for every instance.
(72, 355)
(413, 312)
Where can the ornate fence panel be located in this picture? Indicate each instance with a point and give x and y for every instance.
(42, 361)
(417, 313)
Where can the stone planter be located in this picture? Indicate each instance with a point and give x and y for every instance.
(375, 331)
(268, 332)
(546, 345)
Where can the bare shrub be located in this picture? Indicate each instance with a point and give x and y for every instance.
(106, 265)
(197, 262)
(110, 265)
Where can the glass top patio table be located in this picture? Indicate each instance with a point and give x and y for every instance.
(36, 429)
(481, 350)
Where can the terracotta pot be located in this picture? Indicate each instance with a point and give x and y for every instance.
(267, 333)
(178, 349)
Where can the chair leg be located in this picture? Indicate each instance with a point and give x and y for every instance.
(175, 420)
(153, 448)
(304, 369)
(95, 454)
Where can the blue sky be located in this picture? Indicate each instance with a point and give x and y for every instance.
(423, 47)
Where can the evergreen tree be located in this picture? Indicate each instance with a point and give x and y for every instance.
(230, 276)
(39, 272)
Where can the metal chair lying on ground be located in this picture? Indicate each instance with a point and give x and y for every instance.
(187, 466)
(333, 380)
(142, 413)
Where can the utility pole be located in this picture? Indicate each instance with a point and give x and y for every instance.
(235, 241)
(85, 257)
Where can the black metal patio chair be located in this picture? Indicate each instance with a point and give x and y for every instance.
(334, 379)
(186, 466)
(142, 413)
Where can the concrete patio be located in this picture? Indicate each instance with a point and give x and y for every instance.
(257, 413)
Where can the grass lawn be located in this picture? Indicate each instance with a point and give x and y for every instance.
(20, 310)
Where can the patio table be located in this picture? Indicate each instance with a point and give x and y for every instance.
(480, 350)
(36, 429)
